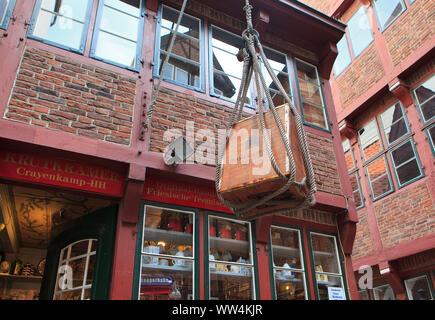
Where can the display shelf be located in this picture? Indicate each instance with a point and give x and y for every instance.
(229, 273)
(324, 253)
(284, 250)
(167, 268)
(20, 277)
(168, 236)
(229, 244)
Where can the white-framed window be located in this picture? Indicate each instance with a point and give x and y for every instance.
(327, 266)
(418, 288)
(394, 123)
(387, 11)
(343, 59)
(383, 292)
(230, 261)
(76, 271)
(348, 155)
(288, 264)
(226, 71)
(167, 254)
(424, 95)
(6, 10)
(360, 31)
(370, 140)
(310, 92)
(353, 173)
(184, 65)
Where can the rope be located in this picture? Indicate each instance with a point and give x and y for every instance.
(152, 106)
(252, 67)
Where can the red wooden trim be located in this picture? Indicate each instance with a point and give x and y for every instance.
(310, 280)
(201, 229)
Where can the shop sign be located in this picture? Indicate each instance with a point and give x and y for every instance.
(183, 194)
(157, 281)
(59, 172)
(336, 293)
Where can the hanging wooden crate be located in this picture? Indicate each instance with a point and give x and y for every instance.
(247, 173)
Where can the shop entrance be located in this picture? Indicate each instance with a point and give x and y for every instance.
(54, 245)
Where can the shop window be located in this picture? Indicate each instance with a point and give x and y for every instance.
(360, 31)
(387, 11)
(384, 292)
(418, 288)
(313, 107)
(406, 163)
(370, 141)
(425, 98)
(231, 269)
(278, 62)
(327, 269)
(6, 10)
(379, 178)
(363, 295)
(76, 271)
(288, 264)
(118, 34)
(394, 123)
(61, 23)
(184, 65)
(167, 256)
(226, 70)
(343, 59)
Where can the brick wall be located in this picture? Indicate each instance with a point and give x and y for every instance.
(363, 244)
(58, 93)
(322, 217)
(407, 215)
(414, 28)
(364, 72)
(325, 6)
(175, 109)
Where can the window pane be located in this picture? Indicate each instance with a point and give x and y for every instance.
(227, 62)
(324, 282)
(383, 293)
(425, 95)
(229, 241)
(183, 47)
(78, 271)
(188, 26)
(369, 139)
(418, 289)
(348, 155)
(289, 285)
(325, 254)
(406, 171)
(354, 180)
(343, 58)
(388, 10)
(181, 71)
(225, 284)
(393, 123)
(307, 72)
(168, 232)
(119, 23)
(227, 86)
(128, 6)
(360, 32)
(431, 134)
(314, 115)
(116, 49)
(286, 248)
(310, 92)
(166, 282)
(58, 29)
(3, 9)
(75, 9)
(379, 177)
(363, 295)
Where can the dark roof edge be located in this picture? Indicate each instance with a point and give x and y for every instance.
(314, 13)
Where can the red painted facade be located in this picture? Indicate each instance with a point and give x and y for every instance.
(55, 103)
(395, 233)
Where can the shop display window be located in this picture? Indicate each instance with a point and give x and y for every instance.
(363, 295)
(288, 264)
(418, 288)
(230, 260)
(76, 271)
(384, 292)
(328, 273)
(167, 255)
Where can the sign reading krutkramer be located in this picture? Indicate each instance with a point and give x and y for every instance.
(60, 172)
